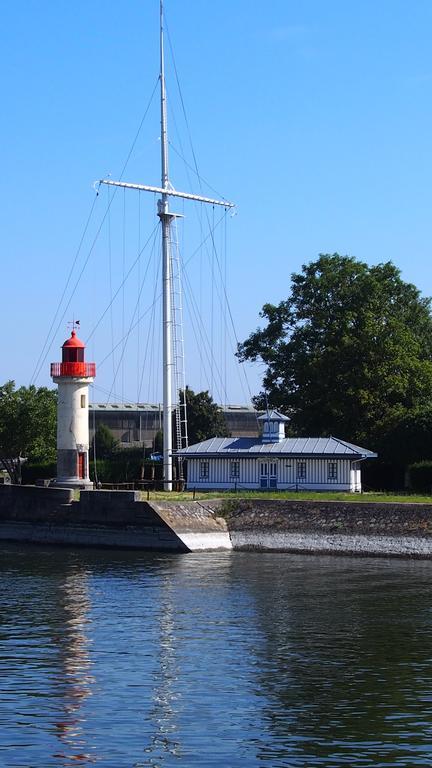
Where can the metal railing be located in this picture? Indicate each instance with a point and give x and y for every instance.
(84, 370)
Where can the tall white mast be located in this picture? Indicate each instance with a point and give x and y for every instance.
(166, 218)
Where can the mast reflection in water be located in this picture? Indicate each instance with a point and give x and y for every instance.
(74, 679)
(231, 659)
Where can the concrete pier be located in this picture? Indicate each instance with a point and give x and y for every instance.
(115, 519)
(124, 520)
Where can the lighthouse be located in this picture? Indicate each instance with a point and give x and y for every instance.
(73, 376)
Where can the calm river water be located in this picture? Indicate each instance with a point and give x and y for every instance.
(122, 659)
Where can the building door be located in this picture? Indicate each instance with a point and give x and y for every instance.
(81, 466)
(268, 474)
(273, 474)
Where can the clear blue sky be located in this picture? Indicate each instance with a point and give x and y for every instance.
(315, 118)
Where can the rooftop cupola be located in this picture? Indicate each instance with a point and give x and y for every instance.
(273, 426)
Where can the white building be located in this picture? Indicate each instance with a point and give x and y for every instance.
(274, 461)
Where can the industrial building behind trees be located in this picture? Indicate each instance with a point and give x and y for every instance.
(136, 424)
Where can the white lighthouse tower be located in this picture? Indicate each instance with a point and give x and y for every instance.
(73, 376)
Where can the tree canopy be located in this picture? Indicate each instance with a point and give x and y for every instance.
(28, 419)
(105, 441)
(205, 418)
(349, 352)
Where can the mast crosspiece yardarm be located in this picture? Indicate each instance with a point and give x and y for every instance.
(166, 217)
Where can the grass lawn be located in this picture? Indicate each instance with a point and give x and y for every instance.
(361, 498)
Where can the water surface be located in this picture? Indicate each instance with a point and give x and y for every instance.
(232, 659)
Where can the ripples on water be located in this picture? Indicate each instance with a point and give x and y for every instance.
(234, 659)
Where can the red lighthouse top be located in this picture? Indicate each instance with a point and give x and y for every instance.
(74, 341)
(73, 363)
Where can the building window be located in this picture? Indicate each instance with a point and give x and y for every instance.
(301, 470)
(204, 470)
(332, 470)
(83, 403)
(235, 469)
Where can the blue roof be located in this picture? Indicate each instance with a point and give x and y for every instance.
(272, 416)
(293, 446)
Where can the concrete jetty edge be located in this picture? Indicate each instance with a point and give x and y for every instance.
(125, 520)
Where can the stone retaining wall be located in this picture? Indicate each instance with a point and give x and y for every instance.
(362, 528)
(121, 519)
(387, 518)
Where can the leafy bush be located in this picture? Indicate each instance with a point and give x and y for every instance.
(40, 471)
(421, 476)
(126, 466)
(106, 443)
(379, 475)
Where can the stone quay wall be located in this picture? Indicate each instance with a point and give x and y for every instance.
(118, 519)
(122, 519)
(357, 527)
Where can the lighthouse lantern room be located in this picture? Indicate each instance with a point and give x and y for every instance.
(73, 376)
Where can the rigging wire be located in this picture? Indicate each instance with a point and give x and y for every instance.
(138, 283)
(151, 332)
(201, 289)
(157, 299)
(224, 340)
(203, 343)
(238, 367)
(182, 102)
(180, 417)
(126, 338)
(110, 275)
(212, 310)
(94, 329)
(200, 178)
(155, 363)
(105, 391)
(123, 283)
(50, 338)
(120, 342)
(199, 215)
(123, 341)
(195, 162)
(36, 370)
(198, 327)
(94, 449)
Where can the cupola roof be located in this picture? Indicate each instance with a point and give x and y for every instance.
(74, 341)
(273, 416)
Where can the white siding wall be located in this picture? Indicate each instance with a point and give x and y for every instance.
(317, 474)
(355, 476)
(72, 416)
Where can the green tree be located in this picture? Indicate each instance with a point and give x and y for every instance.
(158, 441)
(349, 352)
(205, 418)
(28, 418)
(105, 441)
(410, 440)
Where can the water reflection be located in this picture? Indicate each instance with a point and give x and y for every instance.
(347, 664)
(74, 679)
(162, 712)
(122, 659)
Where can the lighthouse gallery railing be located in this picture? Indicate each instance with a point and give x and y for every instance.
(84, 370)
